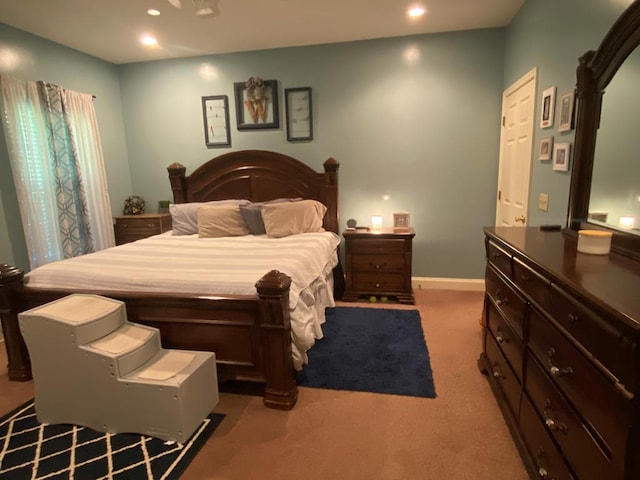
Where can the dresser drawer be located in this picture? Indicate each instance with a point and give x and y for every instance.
(506, 300)
(510, 344)
(378, 282)
(378, 263)
(499, 258)
(597, 400)
(607, 344)
(536, 286)
(502, 375)
(548, 460)
(582, 452)
(378, 246)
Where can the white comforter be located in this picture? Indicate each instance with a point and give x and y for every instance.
(209, 266)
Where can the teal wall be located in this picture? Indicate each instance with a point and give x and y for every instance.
(32, 58)
(414, 118)
(553, 35)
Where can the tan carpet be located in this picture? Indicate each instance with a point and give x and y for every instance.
(350, 435)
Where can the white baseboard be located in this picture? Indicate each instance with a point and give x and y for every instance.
(476, 285)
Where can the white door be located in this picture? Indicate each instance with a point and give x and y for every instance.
(516, 141)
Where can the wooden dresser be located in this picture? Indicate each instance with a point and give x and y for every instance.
(561, 349)
(130, 228)
(378, 263)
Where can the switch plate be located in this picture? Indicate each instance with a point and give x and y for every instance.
(543, 202)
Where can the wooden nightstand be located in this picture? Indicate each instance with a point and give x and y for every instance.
(130, 228)
(378, 263)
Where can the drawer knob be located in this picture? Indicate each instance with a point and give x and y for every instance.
(496, 374)
(377, 285)
(499, 339)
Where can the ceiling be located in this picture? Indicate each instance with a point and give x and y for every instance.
(111, 29)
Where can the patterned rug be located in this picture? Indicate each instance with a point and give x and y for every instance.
(30, 450)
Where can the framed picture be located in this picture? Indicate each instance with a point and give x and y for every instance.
(546, 148)
(565, 115)
(297, 103)
(215, 110)
(401, 220)
(548, 107)
(257, 104)
(561, 157)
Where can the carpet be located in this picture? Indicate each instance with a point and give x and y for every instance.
(29, 450)
(370, 350)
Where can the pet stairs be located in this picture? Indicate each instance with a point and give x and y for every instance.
(92, 367)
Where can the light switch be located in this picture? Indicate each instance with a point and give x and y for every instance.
(543, 202)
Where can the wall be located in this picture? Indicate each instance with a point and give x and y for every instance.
(553, 35)
(415, 118)
(32, 58)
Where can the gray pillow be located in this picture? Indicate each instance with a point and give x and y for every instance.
(252, 214)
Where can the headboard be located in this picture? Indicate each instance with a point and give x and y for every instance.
(258, 175)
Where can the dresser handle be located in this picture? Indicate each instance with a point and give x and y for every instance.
(553, 426)
(497, 374)
(572, 317)
(150, 225)
(542, 471)
(499, 339)
(557, 371)
(377, 285)
(495, 255)
(525, 278)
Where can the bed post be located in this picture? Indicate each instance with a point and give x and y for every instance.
(177, 180)
(11, 285)
(281, 391)
(331, 167)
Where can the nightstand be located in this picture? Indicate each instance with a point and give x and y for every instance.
(378, 263)
(130, 228)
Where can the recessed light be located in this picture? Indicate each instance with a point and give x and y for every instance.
(149, 40)
(153, 12)
(416, 11)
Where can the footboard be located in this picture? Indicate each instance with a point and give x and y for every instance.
(251, 336)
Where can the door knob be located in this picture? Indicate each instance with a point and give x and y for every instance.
(521, 218)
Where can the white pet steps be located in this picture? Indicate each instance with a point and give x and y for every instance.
(92, 367)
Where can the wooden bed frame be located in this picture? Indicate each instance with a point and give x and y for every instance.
(250, 335)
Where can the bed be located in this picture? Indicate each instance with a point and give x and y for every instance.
(250, 331)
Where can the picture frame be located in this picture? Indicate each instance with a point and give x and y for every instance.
(547, 109)
(299, 114)
(546, 148)
(401, 221)
(561, 158)
(566, 111)
(256, 113)
(215, 112)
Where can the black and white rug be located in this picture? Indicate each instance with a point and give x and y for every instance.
(30, 450)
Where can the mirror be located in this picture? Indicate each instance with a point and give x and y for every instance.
(605, 181)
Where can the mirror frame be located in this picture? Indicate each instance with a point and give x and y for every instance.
(595, 71)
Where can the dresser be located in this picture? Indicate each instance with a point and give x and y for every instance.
(561, 352)
(378, 263)
(129, 228)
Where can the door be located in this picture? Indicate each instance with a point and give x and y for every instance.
(516, 142)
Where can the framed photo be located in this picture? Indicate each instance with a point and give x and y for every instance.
(548, 107)
(546, 148)
(401, 221)
(299, 114)
(215, 110)
(565, 115)
(257, 104)
(561, 157)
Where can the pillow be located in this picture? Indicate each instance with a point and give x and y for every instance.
(252, 214)
(221, 221)
(290, 218)
(184, 216)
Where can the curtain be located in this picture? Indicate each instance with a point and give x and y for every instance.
(56, 158)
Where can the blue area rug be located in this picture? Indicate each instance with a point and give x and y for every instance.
(30, 450)
(371, 350)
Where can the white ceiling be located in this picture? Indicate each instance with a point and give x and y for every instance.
(110, 29)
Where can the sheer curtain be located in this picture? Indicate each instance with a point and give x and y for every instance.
(56, 158)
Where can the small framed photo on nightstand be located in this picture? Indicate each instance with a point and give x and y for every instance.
(401, 221)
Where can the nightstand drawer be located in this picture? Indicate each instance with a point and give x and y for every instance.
(378, 282)
(138, 225)
(378, 263)
(129, 228)
(378, 245)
